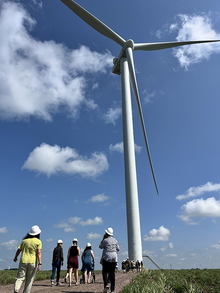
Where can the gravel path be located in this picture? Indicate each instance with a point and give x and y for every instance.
(122, 279)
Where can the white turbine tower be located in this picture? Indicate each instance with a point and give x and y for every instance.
(124, 65)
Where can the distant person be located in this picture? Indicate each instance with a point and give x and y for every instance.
(31, 252)
(88, 260)
(128, 265)
(72, 259)
(57, 262)
(109, 259)
(138, 266)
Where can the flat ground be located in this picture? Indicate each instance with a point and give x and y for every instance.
(122, 279)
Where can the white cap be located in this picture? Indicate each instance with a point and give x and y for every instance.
(75, 240)
(109, 231)
(35, 230)
(88, 244)
(60, 241)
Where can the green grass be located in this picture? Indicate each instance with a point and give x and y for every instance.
(8, 276)
(175, 281)
(151, 281)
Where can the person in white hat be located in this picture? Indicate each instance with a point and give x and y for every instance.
(72, 259)
(88, 260)
(109, 259)
(31, 252)
(57, 262)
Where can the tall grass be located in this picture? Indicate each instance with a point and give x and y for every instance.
(175, 281)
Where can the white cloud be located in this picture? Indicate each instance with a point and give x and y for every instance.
(74, 220)
(162, 234)
(148, 97)
(93, 236)
(99, 198)
(200, 208)
(89, 222)
(95, 86)
(171, 255)
(199, 190)
(195, 27)
(119, 147)
(3, 230)
(50, 240)
(65, 160)
(216, 246)
(37, 78)
(10, 245)
(38, 3)
(112, 115)
(69, 224)
(69, 229)
(170, 245)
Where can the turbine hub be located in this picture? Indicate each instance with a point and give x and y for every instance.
(129, 43)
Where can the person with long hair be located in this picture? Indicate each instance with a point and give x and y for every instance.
(72, 259)
(88, 260)
(31, 252)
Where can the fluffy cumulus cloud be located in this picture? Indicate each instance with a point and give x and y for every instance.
(65, 160)
(93, 236)
(194, 27)
(10, 245)
(3, 230)
(199, 190)
(200, 208)
(89, 222)
(37, 78)
(99, 198)
(162, 234)
(69, 224)
(112, 115)
(119, 147)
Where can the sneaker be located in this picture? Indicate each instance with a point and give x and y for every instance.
(52, 283)
(106, 289)
(58, 284)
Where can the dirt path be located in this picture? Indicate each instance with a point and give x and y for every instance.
(122, 279)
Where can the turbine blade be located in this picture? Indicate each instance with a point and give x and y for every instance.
(166, 45)
(94, 22)
(129, 55)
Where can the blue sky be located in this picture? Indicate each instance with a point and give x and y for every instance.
(61, 151)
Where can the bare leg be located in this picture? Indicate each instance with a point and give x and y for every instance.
(70, 276)
(85, 276)
(76, 275)
(89, 277)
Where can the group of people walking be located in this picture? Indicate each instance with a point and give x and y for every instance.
(30, 261)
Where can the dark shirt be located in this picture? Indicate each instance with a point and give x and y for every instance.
(57, 254)
(73, 250)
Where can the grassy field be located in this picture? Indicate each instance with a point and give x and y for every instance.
(176, 281)
(152, 281)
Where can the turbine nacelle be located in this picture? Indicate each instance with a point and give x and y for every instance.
(116, 61)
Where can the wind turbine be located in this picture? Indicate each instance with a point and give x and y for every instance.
(124, 66)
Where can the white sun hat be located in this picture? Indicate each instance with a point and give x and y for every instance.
(75, 240)
(35, 230)
(60, 241)
(109, 231)
(88, 244)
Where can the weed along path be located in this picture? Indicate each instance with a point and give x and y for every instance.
(121, 280)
